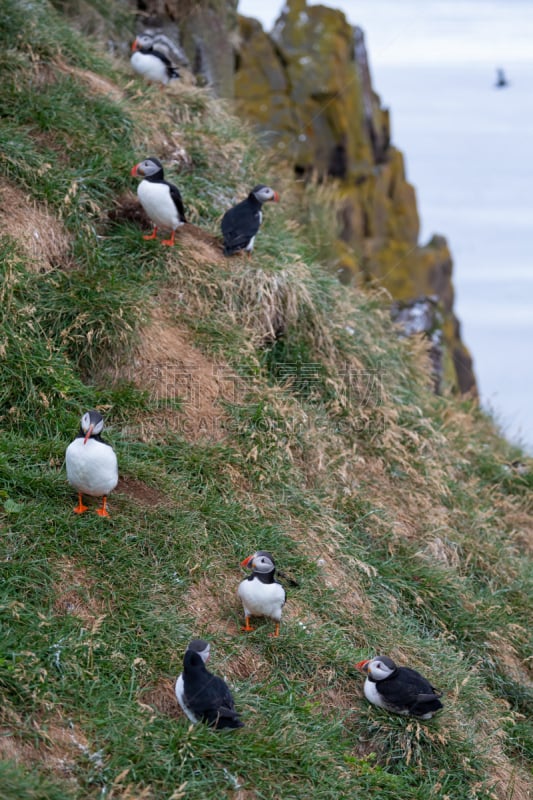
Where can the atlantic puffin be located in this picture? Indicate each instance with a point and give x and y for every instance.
(261, 594)
(91, 463)
(160, 199)
(150, 61)
(241, 223)
(204, 697)
(399, 689)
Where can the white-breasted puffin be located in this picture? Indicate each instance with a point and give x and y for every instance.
(204, 697)
(160, 199)
(150, 61)
(261, 594)
(399, 689)
(91, 463)
(241, 223)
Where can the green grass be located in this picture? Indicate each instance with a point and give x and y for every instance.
(400, 515)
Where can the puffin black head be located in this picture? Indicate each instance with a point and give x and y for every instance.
(201, 647)
(378, 668)
(151, 169)
(193, 662)
(263, 194)
(261, 561)
(92, 424)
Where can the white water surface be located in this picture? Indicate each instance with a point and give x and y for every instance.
(469, 152)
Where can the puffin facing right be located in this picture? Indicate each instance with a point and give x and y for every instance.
(241, 223)
(399, 689)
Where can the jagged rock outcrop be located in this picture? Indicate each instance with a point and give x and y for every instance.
(203, 30)
(307, 87)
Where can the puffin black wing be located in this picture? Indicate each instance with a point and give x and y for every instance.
(240, 224)
(207, 695)
(177, 199)
(408, 688)
(172, 72)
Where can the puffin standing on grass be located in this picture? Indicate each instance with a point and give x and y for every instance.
(160, 199)
(399, 689)
(91, 463)
(204, 697)
(261, 594)
(150, 62)
(241, 223)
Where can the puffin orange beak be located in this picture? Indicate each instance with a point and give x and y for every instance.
(361, 666)
(246, 562)
(88, 434)
(134, 45)
(276, 197)
(135, 170)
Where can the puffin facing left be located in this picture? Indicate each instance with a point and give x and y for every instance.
(150, 62)
(401, 690)
(160, 199)
(91, 463)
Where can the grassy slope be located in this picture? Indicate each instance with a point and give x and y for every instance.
(397, 511)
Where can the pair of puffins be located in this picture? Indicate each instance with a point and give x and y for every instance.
(163, 204)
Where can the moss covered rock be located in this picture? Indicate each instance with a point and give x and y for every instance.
(307, 87)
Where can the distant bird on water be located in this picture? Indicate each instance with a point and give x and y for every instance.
(399, 689)
(501, 80)
(91, 463)
(160, 199)
(150, 61)
(204, 697)
(241, 223)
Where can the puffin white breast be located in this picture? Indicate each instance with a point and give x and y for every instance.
(156, 200)
(92, 467)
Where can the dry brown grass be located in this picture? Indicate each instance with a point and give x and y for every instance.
(166, 363)
(141, 493)
(95, 84)
(76, 594)
(39, 233)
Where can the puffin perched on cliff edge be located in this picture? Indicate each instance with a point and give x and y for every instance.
(150, 61)
(204, 697)
(160, 199)
(241, 223)
(91, 463)
(261, 594)
(399, 689)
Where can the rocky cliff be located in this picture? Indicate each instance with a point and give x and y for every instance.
(307, 87)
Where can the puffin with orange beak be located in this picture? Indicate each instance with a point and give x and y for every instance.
(160, 199)
(150, 62)
(401, 690)
(91, 463)
(261, 594)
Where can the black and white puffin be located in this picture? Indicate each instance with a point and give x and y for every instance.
(150, 61)
(261, 594)
(204, 697)
(91, 463)
(399, 689)
(160, 199)
(241, 223)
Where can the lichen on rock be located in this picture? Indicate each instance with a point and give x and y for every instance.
(307, 87)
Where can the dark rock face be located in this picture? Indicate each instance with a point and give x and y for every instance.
(202, 31)
(308, 88)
